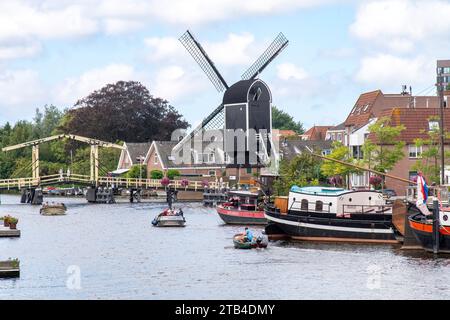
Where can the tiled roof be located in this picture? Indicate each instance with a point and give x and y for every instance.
(339, 127)
(362, 110)
(416, 122)
(317, 132)
(165, 151)
(137, 150)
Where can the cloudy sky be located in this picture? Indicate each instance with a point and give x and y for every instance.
(57, 51)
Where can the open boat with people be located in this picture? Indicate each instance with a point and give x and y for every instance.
(239, 241)
(53, 209)
(243, 207)
(170, 218)
(333, 214)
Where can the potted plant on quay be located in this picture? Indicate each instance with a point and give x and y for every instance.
(13, 223)
(6, 220)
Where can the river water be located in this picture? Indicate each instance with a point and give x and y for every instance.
(113, 252)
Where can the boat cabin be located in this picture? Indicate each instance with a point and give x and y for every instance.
(337, 201)
(243, 200)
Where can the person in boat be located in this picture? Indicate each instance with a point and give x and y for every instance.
(248, 237)
(422, 194)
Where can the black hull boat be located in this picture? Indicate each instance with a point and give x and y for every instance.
(422, 228)
(317, 227)
(323, 214)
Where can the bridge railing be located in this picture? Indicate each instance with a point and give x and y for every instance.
(118, 182)
(156, 183)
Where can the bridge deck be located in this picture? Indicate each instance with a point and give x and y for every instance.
(117, 182)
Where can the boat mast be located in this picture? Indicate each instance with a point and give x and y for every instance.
(362, 168)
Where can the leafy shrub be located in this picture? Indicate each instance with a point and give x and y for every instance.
(156, 174)
(172, 173)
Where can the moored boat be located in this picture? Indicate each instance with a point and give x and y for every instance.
(258, 242)
(422, 228)
(170, 218)
(243, 207)
(334, 215)
(54, 209)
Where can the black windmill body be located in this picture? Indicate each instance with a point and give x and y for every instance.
(246, 105)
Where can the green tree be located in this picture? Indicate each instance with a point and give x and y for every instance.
(385, 150)
(283, 121)
(302, 170)
(124, 111)
(333, 169)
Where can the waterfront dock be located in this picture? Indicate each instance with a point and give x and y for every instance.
(7, 232)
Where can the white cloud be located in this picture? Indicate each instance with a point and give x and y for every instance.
(72, 89)
(200, 11)
(20, 93)
(388, 70)
(400, 24)
(164, 48)
(173, 83)
(287, 71)
(14, 51)
(235, 50)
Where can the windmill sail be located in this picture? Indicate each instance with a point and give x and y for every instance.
(199, 54)
(216, 120)
(266, 58)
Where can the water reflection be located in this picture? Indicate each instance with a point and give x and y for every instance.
(120, 255)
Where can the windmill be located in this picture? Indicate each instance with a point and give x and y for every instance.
(246, 104)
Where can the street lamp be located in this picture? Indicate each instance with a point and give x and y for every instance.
(140, 159)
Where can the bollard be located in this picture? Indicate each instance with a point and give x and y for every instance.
(435, 235)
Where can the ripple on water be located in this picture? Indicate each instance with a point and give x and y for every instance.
(120, 255)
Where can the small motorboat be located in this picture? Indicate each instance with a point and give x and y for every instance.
(54, 209)
(170, 218)
(260, 241)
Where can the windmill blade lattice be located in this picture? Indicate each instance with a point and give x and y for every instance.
(263, 61)
(198, 53)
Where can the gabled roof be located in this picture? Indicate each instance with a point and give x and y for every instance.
(317, 132)
(136, 150)
(339, 127)
(362, 110)
(164, 151)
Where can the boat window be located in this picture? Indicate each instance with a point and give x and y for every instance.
(304, 205)
(330, 204)
(319, 205)
(370, 198)
(350, 200)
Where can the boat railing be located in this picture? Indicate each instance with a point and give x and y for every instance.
(440, 192)
(365, 209)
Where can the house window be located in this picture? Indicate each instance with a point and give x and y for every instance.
(339, 137)
(249, 170)
(226, 158)
(205, 157)
(155, 159)
(415, 151)
(433, 125)
(212, 172)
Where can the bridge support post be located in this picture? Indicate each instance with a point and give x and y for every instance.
(35, 162)
(94, 163)
(135, 194)
(32, 196)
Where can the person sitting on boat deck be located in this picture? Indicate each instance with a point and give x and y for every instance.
(422, 194)
(248, 235)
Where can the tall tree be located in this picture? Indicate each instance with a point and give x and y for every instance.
(283, 121)
(336, 170)
(385, 150)
(302, 170)
(124, 111)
